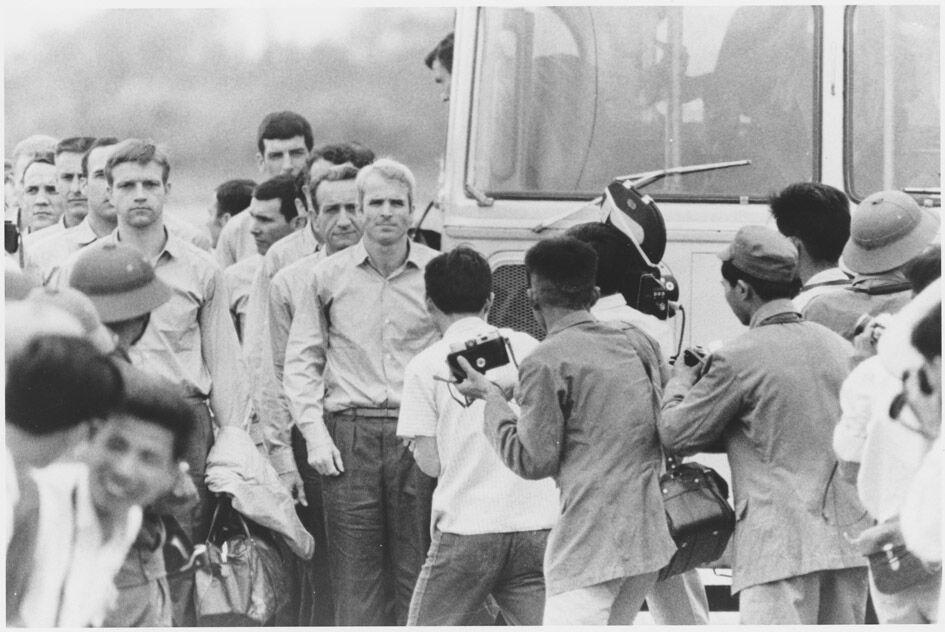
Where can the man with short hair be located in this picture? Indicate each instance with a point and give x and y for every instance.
(324, 157)
(680, 599)
(42, 259)
(440, 61)
(283, 141)
(23, 153)
(588, 412)
(886, 231)
(343, 377)
(771, 396)
(229, 200)
(275, 215)
(489, 526)
(41, 203)
(71, 176)
(816, 218)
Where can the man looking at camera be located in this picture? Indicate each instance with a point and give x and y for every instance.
(588, 419)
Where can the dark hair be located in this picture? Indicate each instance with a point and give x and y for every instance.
(138, 151)
(927, 334)
(157, 400)
(458, 281)
(233, 196)
(566, 269)
(815, 213)
(285, 188)
(766, 290)
(57, 382)
(333, 174)
(340, 153)
(283, 126)
(619, 266)
(74, 145)
(104, 141)
(443, 53)
(924, 268)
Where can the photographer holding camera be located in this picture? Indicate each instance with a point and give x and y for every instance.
(771, 395)
(489, 526)
(588, 419)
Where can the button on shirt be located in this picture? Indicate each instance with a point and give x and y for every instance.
(191, 339)
(475, 493)
(351, 339)
(266, 383)
(588, 420)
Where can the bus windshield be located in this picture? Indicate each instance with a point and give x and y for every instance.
(568, 98)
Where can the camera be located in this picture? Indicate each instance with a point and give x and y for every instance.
(11, 236)
(877, 324)
(484, 352)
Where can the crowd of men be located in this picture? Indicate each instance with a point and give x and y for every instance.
(306, 320)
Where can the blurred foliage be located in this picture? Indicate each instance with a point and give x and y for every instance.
(178, 77)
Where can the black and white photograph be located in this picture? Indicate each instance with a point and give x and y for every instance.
(507, 315)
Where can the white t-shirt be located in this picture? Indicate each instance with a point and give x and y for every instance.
(476, 493)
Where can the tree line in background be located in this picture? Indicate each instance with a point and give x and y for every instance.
(176, 76)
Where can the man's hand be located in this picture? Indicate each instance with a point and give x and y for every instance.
(686, 375)
(476, 385)
(325, 458)
(293, 483)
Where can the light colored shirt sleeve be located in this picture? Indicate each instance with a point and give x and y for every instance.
(694, 419)
(418, 410)
(304, 380)
(221, 355)
(856, 405)
(530, 445)
(267, 395)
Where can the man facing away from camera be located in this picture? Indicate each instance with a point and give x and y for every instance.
(588, 419)
(489, 526)
(771, 396)
(680, 599)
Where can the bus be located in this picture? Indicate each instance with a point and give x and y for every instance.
(549, 104)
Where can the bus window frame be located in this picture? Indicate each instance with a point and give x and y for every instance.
(848, 80)
(817, 58)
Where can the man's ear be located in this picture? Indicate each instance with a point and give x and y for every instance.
(223, 219)
(260, 163)
(297, 222)
(488, 305)
(595, 296)
(744, 290)
(300, 207)
(167, 188)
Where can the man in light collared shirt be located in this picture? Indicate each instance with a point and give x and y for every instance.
(816, 218)
(190, 339)
(344, 367)
(489, 526)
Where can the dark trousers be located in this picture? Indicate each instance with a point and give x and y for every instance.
(461, 571)
(373, 514)
(195, 522)
(316, 606)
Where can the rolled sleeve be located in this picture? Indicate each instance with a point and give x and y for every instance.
(695, 420)
(529, 445)
(229, 395)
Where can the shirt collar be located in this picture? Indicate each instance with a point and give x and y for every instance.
(826, 276)
(464, 328)
(414, 257)
(772, 308)
(173, 245)
(576, 317)
(83, 233)
(605, 303)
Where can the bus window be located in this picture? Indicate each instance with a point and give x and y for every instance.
(566, 98)
(892, 99)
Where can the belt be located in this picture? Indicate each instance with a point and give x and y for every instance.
(370, 412)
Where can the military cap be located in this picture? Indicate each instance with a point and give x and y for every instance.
(762, 253)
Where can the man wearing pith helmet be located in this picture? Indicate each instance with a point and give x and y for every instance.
(887, 230)
(771, 397)
(122, 286)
